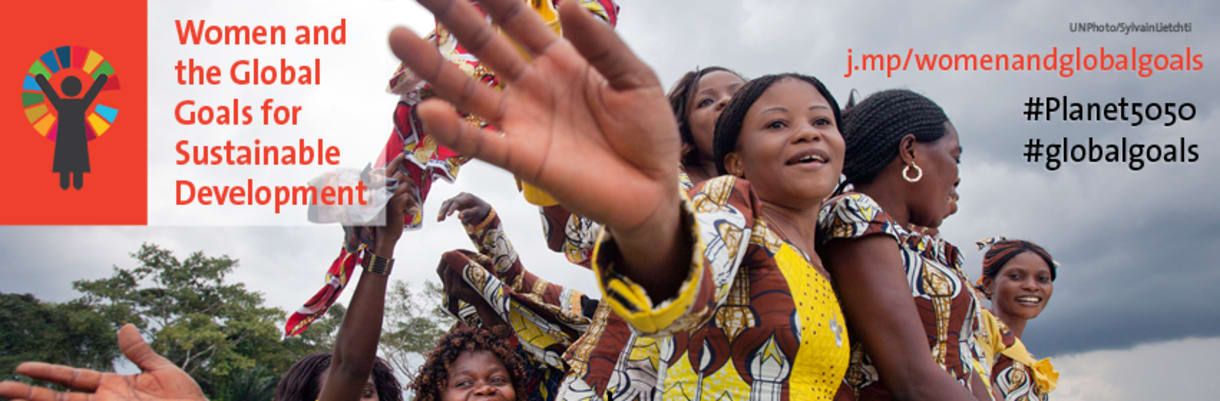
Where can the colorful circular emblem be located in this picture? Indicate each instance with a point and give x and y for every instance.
(70, 71)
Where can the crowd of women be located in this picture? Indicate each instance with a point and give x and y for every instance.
(751, 239)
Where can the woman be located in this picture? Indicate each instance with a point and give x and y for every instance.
(306, 378)
(597, 135)
(696, 101)
(427, 160)
(595, 363)
(491, 289)
(470, 363)
(906, 299)
(1018, 278)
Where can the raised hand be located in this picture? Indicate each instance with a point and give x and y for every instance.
(401, 200)
(470, 209)
(159, 379)
(585, 120)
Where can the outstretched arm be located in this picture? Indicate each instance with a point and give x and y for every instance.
(47, 89)
(585, 120)
(95, 88)
(356, 345)
(483, 226)
(158, 379)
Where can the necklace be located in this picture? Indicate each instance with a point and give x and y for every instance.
(772, 222)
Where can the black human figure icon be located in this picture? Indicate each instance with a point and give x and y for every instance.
(71, 143)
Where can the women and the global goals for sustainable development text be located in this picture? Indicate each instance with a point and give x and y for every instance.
(287, 150)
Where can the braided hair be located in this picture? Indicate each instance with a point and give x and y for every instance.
(1004, 250)
(303, 381)
(728, 126)
(874, 128)
(679, 101)
(433, 375)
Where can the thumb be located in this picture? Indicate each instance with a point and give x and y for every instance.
(138, 351)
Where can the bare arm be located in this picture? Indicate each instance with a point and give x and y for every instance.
(356, 345)
(877, 300)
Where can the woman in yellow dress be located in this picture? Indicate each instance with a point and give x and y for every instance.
(1018, 278)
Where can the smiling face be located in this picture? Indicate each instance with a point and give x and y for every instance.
(712, 93)
(478, 375)
(934, 192)
(789, 148)
(1022, 287)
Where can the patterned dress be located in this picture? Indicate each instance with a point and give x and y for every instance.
(544, 318)
(610, 361)
(1016, 375)
(426, 159)
(947, 304)
(754, 319)
(604, 359)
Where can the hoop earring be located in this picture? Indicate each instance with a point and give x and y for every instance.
(907, 176)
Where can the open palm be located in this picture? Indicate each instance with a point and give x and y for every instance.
(584, 120)
(159, 380)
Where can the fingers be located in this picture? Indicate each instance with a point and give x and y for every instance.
(396, 163)
(138, 351)
(446, 79)
(522, 24)
(400, 201)
(67, 376)
(446, 209)
(441, 121)
(404, 185)
(476, 36)
(22, 391)
(598, 43)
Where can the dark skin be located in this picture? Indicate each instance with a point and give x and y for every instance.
(478, 375)
(1020, 290)
(471, 211)
(871, 283)
(579, 111)
(789, 122)
(159, 379)
(356, 344)
(713, 93)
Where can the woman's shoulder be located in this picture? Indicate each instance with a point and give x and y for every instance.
(854, 215)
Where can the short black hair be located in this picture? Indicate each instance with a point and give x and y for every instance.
(728, 126)
(873, 129)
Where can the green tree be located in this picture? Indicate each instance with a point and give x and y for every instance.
(70, 333)
(219, 332)
(414, 321)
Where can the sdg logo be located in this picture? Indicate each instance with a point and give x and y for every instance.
(70, 97)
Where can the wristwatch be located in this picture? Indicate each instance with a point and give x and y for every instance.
(380, 265)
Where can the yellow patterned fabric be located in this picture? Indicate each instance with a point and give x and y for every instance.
(755, 318)
(944, 299)
(1016, 375)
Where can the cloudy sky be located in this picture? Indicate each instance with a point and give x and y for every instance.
(1134, 310)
